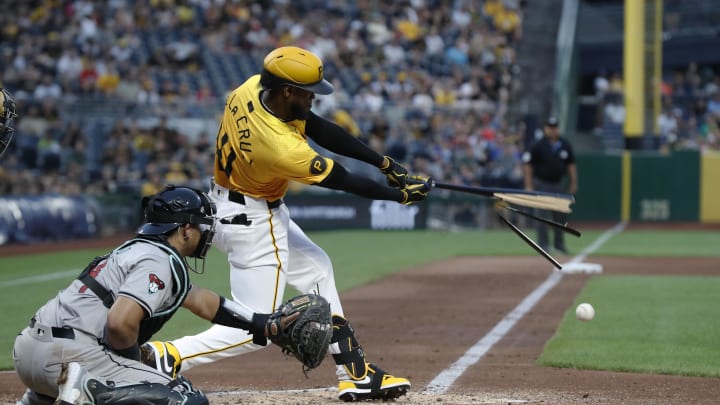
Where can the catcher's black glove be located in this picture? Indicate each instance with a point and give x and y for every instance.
(395, 173)
(307, 336)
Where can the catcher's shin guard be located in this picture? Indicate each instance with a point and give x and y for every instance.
(178, 392)
(360, 380)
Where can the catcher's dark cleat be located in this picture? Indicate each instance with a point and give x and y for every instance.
(377, 385)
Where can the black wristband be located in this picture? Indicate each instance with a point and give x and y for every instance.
(220, 315)
(257, 328)
(256, 325)
(132, 352)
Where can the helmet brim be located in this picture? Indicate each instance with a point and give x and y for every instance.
(322, 87)
(156, 228)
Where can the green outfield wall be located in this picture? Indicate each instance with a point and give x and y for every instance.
(648, 186)
(599, 185)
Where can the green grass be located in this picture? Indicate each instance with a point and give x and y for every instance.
(663, 243)
(358, 257)
(650, 324)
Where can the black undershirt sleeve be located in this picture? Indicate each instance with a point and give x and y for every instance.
(341, 179)
(335, 139)
(227, 317)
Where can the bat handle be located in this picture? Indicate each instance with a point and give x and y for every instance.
(415, 179)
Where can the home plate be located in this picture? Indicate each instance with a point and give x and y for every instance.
(582, 267)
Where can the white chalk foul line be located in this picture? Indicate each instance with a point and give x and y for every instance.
(447, 377)
(254, 392)
(442, 382)
(39, 278)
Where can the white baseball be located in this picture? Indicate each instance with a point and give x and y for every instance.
(585, 312)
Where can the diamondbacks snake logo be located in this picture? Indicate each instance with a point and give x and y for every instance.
(155, 284)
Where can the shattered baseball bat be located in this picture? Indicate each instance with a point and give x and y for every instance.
(532, 199)
(563, 227)
(530, 242)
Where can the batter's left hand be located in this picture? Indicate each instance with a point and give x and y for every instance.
(417, 191)
(396, 174)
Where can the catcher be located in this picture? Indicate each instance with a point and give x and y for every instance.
(127, 295)
(7, 113)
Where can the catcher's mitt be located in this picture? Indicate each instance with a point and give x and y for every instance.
(307, 337)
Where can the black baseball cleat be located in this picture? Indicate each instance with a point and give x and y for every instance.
(377, 385)
(162, 356)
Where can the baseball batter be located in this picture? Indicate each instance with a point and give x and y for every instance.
(88, 336)
(262, 145)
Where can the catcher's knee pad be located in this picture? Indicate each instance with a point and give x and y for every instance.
(178, 392)
(351, 355)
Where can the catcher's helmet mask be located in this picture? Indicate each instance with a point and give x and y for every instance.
(175, 206)
(7, 114)
(293, 66)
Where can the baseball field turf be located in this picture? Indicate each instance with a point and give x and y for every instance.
(658, 324)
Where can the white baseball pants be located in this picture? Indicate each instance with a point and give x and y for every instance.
(265, 250)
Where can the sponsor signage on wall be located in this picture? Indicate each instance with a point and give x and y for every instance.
(342, 211)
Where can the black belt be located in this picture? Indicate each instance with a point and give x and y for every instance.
(239, 198)
(62, 333)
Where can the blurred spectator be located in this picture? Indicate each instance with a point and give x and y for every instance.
(183, 53)
(204, 94)
(88, 77)
(107, 82)
(668, 125)
(616, 83)
(47, 88)
(70, 65)
(713, 105)
(155, 181)
(614, 111)
(49, 152)
(129, 87)
(601, 85)
(148, 94)
(176, 174)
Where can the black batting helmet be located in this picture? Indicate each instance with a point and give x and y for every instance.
(7, 113)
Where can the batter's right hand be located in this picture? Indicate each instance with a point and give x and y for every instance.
(395, 173)
(417, 191)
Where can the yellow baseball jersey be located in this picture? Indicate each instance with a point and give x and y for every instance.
(258, 154)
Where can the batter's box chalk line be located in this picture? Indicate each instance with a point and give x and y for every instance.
(582, 268)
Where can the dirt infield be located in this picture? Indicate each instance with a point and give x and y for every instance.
(418, 322)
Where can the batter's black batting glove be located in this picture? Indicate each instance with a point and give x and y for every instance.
(396, 174)
(417, 191)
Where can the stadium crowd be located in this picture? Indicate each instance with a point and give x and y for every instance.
(690, 107)
(425, 81)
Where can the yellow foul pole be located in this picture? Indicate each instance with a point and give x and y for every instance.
(657, 64)
(634, 72)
